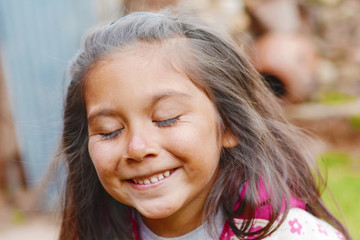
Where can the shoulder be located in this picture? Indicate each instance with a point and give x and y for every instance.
(300, 224)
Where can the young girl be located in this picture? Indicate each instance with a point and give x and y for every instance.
(170, 133)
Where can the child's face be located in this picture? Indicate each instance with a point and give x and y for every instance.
(153, 135)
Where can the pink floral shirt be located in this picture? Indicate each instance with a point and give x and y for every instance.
(298, 224)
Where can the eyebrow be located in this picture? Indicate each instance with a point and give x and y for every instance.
(108, 112)
(165, 95)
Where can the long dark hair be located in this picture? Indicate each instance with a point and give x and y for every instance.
(270, 149)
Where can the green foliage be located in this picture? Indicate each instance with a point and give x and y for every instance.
(344, 184)
(336, 98)
(355, 121)
(18, 217)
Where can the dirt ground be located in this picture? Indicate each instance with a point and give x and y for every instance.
(31, 225)
(37, 227)
(334, 134)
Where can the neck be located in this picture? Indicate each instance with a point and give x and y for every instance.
(179, 223)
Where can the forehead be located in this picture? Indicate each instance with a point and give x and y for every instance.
(141, 69)
(173, 54)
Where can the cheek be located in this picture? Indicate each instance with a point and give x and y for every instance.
(197, 146)
(103, 158)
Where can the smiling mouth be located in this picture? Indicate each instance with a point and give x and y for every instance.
(153, 179)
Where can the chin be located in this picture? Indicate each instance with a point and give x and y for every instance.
(156, 212)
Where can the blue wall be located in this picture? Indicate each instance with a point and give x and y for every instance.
(37, 40)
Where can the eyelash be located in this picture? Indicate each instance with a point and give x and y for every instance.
(166, 123)
(111, 135)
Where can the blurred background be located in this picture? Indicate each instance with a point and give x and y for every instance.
(307, 50)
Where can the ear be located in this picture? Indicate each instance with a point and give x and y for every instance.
(228, 140)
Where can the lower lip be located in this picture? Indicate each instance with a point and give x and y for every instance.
(152, 185)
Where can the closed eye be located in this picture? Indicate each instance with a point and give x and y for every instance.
(167, 123)
(111, 135)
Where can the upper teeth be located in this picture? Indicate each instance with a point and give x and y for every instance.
(152, 179)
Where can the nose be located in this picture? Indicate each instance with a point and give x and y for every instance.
(140, 147)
